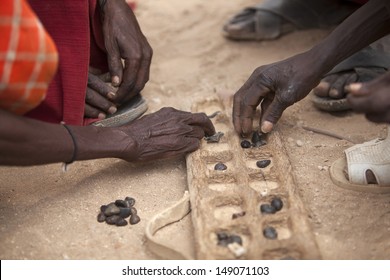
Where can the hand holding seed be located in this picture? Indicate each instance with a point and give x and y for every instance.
(166, 133)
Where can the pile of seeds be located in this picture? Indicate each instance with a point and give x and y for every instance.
(116, 212)
(275, 206)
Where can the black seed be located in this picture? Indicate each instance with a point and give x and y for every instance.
(101, 217)
(246, 144)
(130, 200)
(223, 242)
(235, 239)
(134, 219)
(267, 209)
(258, 139)
(112, 219)
(238, 215)
(270, 233)
(222, 236)
(133, 211)
(124, 212)
(111, 209)
(122, 203)
(121, 222)
(103, 208)
(277, 203)
(263, 163)
(220, 166)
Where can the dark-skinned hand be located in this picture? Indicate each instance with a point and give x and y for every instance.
(371, 98)
(166, 133)
(99, 96)
(123, 39)
(275, 86)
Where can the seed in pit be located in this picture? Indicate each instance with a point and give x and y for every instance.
(270, 233)
(101, 217)
(130, 200)
(134, 219)
(124, 212)
(277, 203)
(238, 215)
(220, 166)
(122, 203)
(258, 139)
(235, 239)
(263, 163)
(222, 236)
(267, 209)
(121, 222)
(133, 211)
(246, 144)
(111, 209)
(112, 219)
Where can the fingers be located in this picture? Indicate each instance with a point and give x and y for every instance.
(272, 114)
(114, 62)
(203, 122)
(91, 112)
(95, 83)
(99, 104)
(125, 91)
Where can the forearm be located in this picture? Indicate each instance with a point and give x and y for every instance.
(25, 141)
(366, 25)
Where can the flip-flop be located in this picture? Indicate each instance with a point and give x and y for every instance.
(373, 155)
(272, 18)
(125, 114)
(368, 64)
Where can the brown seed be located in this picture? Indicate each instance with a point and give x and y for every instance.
(112, 219)
(238, 215)
(130, 200)
(134, 219)
(101, 217)
(133, 211)
(121, 222)
(111, 209)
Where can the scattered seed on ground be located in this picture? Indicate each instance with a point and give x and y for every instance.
(246, 144)
(277, 203)
(220, 166)
(270, 233)
(101, 217)
(263, 163)
(267, 209)
(134, 219)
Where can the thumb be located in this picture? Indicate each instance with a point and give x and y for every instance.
(115, 65)
(271, 115)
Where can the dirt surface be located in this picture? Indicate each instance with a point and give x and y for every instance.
(48, 214)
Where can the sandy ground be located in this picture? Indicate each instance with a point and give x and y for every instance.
(48, 214)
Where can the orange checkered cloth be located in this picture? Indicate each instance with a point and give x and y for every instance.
(28, 58)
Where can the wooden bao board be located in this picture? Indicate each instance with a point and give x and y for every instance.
(216, 195)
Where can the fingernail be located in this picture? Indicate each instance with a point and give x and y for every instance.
(267, 126)
(353, 87)
(111, 95)
(115, 80)
(112, 109)
(101, 116)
